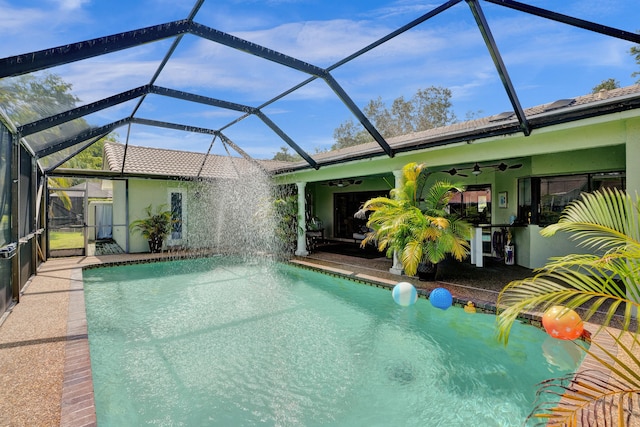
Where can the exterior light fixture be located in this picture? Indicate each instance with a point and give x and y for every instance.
(476, 169)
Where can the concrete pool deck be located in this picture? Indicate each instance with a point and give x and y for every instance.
(44, 351)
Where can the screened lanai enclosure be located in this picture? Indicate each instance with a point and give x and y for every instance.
(195, 93)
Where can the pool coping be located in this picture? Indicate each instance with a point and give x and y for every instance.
(78, 402)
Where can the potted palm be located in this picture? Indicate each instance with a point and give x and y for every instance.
(417, 226)
(155, 227)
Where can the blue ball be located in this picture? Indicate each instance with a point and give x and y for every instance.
(404, 294)
(441, 298)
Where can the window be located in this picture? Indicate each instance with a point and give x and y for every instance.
(347, 204)
(551, 195)
(557, 192)
(473, 204)
(178, 216)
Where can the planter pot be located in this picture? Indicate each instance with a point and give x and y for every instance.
(155, 244)
(427, 271)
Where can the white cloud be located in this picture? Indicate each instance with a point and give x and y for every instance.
(318, 42)
(404, 8)
(71, 5)
(14, 25)
(31, 29)
(93, 81)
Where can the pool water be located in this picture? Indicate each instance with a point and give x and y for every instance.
(213, 342)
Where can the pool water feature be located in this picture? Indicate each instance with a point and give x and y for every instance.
(217, 342)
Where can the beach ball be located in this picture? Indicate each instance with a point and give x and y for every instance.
(441, 298)
(404, 294)
(562, 323)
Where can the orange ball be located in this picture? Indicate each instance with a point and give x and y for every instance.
(562, 323)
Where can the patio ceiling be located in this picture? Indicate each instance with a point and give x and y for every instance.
(238, 119)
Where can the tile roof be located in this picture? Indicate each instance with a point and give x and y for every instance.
(176, 163)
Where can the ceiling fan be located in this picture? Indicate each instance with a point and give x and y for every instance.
(454, 171)
(341, 183)
(477, 169)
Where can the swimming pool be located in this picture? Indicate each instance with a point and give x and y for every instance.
(214, 342)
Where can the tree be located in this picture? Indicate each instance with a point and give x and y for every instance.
(635, 52)
(606, 85)
(31, 97)
(428, 108)
(606, 222)
(90, 157)
(58, 185)
(349, 134)
(284, 156)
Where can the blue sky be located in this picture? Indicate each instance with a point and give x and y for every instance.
(546, 60)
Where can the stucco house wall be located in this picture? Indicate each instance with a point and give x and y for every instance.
(154, 192)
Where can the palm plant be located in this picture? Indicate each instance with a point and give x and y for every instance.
(286, 229)
(418, 229)
(607, 280)
(154, 227)
(59, 184)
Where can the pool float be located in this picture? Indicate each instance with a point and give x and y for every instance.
(404, 294)
(441, 298)
(562, 323)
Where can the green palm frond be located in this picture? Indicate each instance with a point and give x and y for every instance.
(594, 281)
(574, 289)
(439, 195)
(601, 220)
(155, 224)
(590, 398)
(605, 282)
(60, 183)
